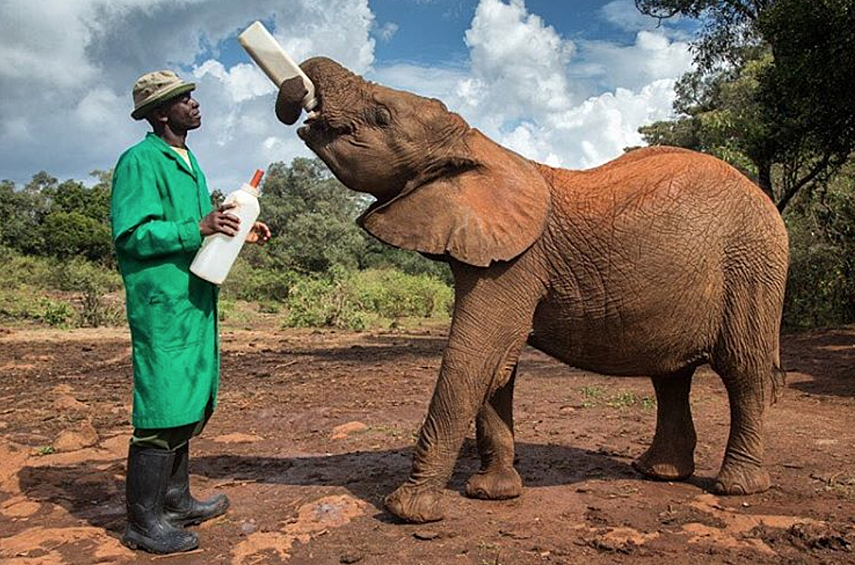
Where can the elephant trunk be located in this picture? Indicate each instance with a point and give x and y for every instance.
(289, 102)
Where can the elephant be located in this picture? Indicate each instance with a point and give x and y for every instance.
(653, 264)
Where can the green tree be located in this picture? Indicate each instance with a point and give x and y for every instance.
(23, 212)
(770, 93)
(68, 234)
(312, 217)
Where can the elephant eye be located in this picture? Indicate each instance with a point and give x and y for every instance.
(380, 116)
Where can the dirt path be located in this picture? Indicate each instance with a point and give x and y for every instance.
(314, 428)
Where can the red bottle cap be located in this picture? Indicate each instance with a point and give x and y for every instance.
(256, 178)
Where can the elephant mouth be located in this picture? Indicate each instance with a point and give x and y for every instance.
(318, 131)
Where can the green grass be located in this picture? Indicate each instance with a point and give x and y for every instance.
(593, 396)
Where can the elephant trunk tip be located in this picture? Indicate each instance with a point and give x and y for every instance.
(289, 102)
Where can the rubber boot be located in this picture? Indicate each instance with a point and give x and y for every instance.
(181, 508)
(148, 474)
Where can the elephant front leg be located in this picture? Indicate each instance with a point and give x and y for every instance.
(671, 455)
(497, 479)
(492, 318)
(452, 408)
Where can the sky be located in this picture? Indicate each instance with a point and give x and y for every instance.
(566, 83)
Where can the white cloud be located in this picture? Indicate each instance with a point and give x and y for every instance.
(652, 57)
(522, 59)
(66, 102)
(387, 31)
(67, 66)
(624, 14)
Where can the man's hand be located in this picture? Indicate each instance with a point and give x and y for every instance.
(219, 221)
(259, 233)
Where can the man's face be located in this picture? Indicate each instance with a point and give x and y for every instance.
(182, 113)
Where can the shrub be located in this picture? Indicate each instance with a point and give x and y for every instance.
(325, 301)
(93, 283)
(393, 294)
(251, 283)
(23, 306)
(353, 300)
(24, 272)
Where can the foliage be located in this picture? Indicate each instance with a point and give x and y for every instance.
(22, 272)
(728, 26)
(93, 283)
(27, 306)
(771, 91)
(393, 294)
(253, 283)
(57, 219)
(312, 218)
(354, 300)
(72, 234)
(720, 116)
(378, 255)
(325, 301)
(821, 284)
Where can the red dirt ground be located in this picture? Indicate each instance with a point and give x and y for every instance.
(315, 427)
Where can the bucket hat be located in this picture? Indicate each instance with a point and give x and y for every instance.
(154, 88)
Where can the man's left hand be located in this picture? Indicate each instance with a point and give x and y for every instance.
(259, 233)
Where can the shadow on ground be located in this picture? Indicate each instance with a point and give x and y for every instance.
(97, 496)
(827, 356)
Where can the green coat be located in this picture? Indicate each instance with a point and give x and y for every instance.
(156, 205)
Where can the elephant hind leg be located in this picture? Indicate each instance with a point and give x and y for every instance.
(671, 455)
(742, 470)
(497, 479)
(747, 359)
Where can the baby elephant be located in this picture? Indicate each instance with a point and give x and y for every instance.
(653, 264)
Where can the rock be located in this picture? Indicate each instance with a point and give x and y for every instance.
(237, 437)
(426, 535)
(344, 430)
(350, 558)
(67, 402)
(72, 440)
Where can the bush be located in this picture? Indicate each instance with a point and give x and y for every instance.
(23, 306)
(251, 283)
(325, 301)
(353, 300)
(24, 272)
(93, 283)
(393, 294)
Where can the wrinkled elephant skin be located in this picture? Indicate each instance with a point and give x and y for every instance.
(653, 264)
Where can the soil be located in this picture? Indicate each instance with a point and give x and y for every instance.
(315, 427)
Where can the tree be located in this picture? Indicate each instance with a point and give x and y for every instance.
(69, 234)
(772, 86)
(312, 217)
(23, 212)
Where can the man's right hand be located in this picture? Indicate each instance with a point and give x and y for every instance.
(219, 221)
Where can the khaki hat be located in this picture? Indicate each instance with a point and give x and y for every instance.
(156, 87)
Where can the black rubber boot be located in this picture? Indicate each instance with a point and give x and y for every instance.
(149, 470)
(181, 508)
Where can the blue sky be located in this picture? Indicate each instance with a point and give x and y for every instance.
(567, 83)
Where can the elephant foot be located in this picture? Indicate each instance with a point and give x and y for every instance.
(665, 465)
(740, 479)
(495, 485)
(415, 504)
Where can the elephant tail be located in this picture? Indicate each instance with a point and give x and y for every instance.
(778, 377)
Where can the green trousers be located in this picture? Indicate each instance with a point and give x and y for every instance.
(170, 439)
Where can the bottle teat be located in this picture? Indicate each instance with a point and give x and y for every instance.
(256, 180)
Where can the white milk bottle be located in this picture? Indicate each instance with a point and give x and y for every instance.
(274, 61)
(219, 251)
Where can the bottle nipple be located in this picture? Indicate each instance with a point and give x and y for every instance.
(256, 178)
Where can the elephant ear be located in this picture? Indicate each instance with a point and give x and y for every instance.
(482, 204)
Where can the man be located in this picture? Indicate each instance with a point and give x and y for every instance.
(161, 211)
